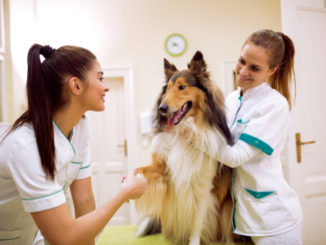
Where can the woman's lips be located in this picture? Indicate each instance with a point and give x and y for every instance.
(244, 79)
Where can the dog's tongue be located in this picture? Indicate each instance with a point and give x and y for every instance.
(174, 119)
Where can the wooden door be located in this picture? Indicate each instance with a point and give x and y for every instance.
(307, 27)
(109, 148)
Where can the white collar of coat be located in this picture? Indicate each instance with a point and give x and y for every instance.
(255, 91)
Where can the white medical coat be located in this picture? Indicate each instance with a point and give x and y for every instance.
(24, 187)
(264, 203)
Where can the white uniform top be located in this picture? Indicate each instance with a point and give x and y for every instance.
(264, 203)
(24, 187)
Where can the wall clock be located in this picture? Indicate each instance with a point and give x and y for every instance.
(175, 44)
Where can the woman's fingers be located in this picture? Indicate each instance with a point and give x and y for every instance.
(135, 185)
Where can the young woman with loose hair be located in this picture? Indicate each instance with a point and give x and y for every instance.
(47, 151)
(266, 208)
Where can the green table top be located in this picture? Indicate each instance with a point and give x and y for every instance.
(125, 235)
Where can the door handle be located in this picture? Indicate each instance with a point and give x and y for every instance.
(299, 143)
(124, 145)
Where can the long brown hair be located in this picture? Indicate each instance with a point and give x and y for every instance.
(281, 55)
(47, 92)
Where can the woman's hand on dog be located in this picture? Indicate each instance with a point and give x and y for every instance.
(134, 185)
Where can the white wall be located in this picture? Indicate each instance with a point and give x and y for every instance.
(132, 33)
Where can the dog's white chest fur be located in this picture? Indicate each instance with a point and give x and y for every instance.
(179, 149)
(186, 164)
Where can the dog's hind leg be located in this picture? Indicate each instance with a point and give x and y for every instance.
(226, 222)
(148, 226)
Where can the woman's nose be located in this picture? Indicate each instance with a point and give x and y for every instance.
(106, 87)
(244, 71)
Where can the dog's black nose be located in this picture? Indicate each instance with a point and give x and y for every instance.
(163, 108)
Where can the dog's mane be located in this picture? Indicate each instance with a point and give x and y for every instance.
(215, 113)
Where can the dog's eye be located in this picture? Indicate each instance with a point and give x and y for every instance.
(181, 87)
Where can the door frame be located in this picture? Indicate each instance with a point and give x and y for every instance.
(2, 27)
(126, 73)
(3, 109)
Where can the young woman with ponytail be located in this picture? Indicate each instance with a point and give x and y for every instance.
(47, 151)
(266, 208)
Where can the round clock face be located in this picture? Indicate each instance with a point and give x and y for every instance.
(175, 44)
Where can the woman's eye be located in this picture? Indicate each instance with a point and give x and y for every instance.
(101, 79)
(254, 68)
(181, 87)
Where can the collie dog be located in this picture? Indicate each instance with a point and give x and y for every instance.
(189, 193)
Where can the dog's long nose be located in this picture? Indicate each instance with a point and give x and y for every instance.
(163, 108)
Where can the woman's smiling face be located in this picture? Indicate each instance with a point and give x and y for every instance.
(93, 98)
(252, 68)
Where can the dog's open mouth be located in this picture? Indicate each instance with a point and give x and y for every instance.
(177, 116)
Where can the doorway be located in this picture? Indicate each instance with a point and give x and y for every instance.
(306, 26)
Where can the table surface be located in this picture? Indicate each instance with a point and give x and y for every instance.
(125, 235)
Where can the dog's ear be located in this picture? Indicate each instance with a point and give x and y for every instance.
(197, 64)
(169, 69)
